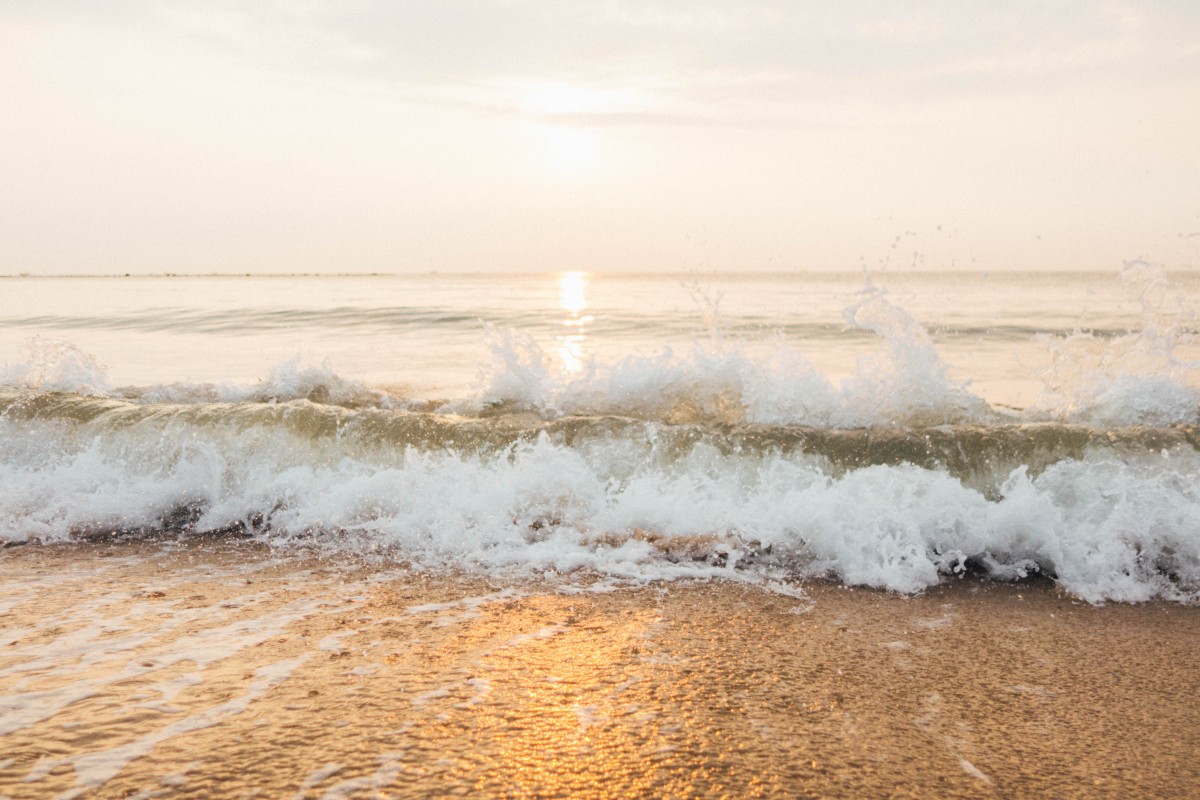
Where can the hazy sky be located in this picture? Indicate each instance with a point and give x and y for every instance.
(552, 134)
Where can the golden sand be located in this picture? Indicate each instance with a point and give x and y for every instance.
(212, 670)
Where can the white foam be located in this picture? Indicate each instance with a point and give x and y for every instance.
(465, 603)
(1108, 529)
(904, 382)
(333, 642)
(974, 771)
(386, 775)
(96, 653)
(98, 767)
(1136, 378)
(289, 380)
(56, 366)
(316, 777)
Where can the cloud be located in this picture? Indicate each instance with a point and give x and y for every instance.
(707, 62)
(227, 131)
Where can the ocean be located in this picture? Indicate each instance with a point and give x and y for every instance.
(590, 535)
(887, 430)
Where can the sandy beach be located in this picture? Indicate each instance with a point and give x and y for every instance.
(221, 670)
(599, 400)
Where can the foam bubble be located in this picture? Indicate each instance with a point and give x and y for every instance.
(904, 383)
(1131, 379)
(1106, 528)
(1135, 378)
(287, 460)
(56, 366)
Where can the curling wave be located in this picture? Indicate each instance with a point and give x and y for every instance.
(1110, 514)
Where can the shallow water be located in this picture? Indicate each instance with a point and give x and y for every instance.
(221, 669)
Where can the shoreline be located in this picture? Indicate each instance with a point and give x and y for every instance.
(223, 670)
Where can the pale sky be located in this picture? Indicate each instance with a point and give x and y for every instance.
(316, 136)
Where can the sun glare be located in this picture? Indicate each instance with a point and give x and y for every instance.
(567, 151)
(572, 297)
(561, 99)
(572, 292)
(559, 115)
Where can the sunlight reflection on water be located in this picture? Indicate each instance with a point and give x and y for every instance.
(573, 299)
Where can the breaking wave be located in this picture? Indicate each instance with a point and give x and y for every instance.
(718, 461)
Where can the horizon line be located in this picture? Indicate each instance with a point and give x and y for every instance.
(629, 272)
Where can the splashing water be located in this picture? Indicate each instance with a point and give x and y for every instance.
(728, 456)
(1134, 378)
(56, 366)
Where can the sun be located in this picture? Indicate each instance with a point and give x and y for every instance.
(558, 99)
(561, 119)
(567, 151)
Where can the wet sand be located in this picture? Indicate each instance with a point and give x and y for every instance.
(219, 670)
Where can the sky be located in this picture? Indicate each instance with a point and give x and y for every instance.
(151, 136)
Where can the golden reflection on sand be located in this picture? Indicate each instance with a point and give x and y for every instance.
(210, 671)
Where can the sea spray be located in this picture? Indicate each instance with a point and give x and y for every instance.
(725, 456)
(904, 383)
(1135, 377)
(634, 500)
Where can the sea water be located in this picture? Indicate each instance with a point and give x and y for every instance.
(884, 430)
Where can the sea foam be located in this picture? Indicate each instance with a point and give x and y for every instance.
(722, 460)
(1105, 528)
